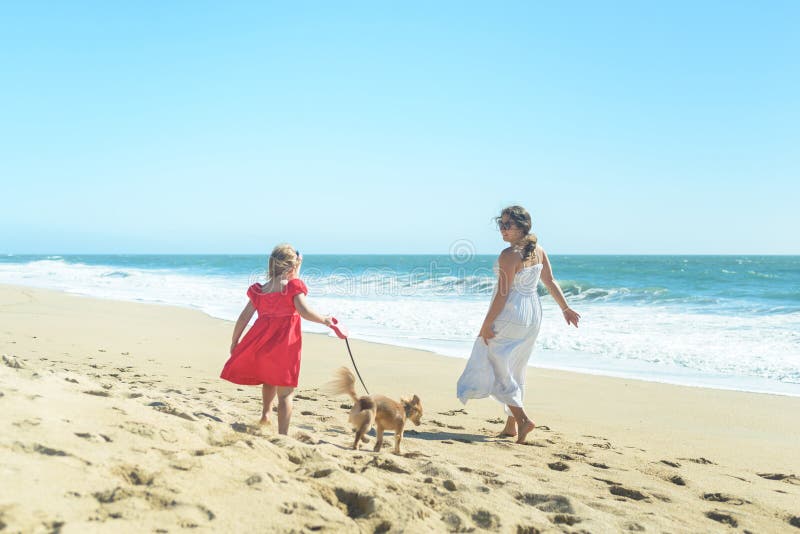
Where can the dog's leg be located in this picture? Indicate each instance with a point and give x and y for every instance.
(360, 434)
(398, 435)
(379, 442)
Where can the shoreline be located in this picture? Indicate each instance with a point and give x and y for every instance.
(691, 379)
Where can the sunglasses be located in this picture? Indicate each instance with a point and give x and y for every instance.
(505, 225)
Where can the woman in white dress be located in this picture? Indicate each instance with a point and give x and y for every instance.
(500, 355)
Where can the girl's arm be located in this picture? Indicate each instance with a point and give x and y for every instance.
(508, 261)
(241, 323)
(307, 313)
(570, 315)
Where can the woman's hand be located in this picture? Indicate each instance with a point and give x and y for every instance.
(327, 321)
(486, 333)
(571, 316)
(233, 346)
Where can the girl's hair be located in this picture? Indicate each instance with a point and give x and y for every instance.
(283, 259)
(522, 220)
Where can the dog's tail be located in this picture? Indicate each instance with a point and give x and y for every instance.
(344, 381)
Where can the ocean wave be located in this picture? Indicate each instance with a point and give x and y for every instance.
(116, 274)
(650, 325)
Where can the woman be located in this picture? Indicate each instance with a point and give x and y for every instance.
(500, 355)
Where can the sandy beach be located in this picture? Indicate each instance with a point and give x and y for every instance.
(114, 420)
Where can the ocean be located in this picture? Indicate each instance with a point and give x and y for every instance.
(730, 322)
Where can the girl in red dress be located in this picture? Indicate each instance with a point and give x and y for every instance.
(269, 354)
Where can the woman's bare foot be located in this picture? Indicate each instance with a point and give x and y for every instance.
(510, 429)
(264, 421)
(524, 430)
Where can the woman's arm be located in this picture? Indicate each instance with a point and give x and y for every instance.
(241, 323)
(508, 261)
(307, 313)
(570, 315)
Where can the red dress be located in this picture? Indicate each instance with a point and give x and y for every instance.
(269, 353)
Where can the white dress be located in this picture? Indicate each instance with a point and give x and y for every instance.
(498, 369)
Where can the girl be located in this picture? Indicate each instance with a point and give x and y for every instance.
(269, 354)
(500, 355)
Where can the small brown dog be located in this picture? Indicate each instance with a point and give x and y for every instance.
(381, 411)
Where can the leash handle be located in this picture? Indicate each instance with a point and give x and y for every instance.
(340, 331)
(347, 342)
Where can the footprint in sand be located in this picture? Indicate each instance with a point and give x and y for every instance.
(140, 429)
(157, 502)
(548, 503)
(794, 521)
(98, 393)
(671, 464)
(98, 438)
(558, 466)
(722, 517)
(536, 443)
(455, 412)
(789, 479)
(12, 361)
(387, 464)
(606, 481)
(166, 408)
(134, 475)
(724, 497)
(353, 503)
(558, 505)
(253, 480)
(209, 416)
(486, 520)
(701, 461)
(622, 491)
(27, 423)
(564, 519)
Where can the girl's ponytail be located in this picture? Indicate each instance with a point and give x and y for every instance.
(284, 259)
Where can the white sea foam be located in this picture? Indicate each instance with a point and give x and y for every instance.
(645, 340)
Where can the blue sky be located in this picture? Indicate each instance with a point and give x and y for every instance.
(377, 127)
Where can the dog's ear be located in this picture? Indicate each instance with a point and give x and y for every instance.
(415, 400)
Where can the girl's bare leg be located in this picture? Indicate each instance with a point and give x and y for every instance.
(267, 396)
(510, 428)
(524, 424)
(285, 395)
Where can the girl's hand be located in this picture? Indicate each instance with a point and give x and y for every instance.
(327, 321)
(486, 333)
(571, 316)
